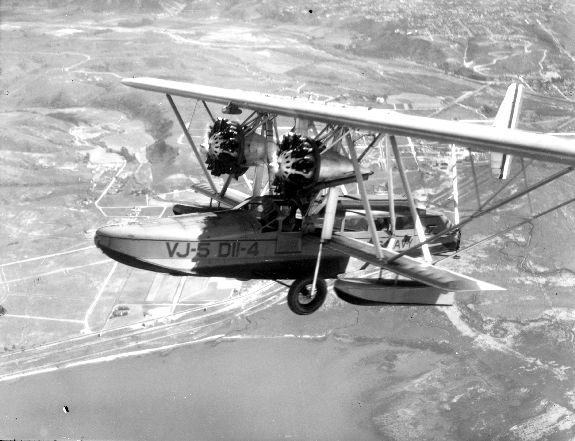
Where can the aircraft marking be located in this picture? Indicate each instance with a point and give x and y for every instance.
(203, 249)
(405, 242)
(216, 249)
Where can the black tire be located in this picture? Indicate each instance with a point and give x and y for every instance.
(299, 299)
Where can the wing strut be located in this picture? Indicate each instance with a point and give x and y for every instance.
(226, 185)
(191, 142)
(327, 229)
(390, 186)
(271, 153)
(260, 168)
(480, 213)
(507, 184)
(454, 187)
(524, 170)
(473, 172)
(364, 199)
(370, 146)
(249, 119)
(511, 228)
(335, 141)
(208, 110)
(412, 208)
(326, 128)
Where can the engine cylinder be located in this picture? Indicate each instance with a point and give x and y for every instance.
(304, 165)
(225, 148)
(298, 163)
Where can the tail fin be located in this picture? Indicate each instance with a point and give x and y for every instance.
(507, 117)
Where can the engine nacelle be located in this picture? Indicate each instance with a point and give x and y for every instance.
(232, 151)
(300, 164)
(298, 161)
(302, 167)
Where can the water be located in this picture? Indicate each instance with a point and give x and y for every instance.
(256, 388)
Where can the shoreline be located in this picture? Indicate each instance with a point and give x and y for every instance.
(245, 389)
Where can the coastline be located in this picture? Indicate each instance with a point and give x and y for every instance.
(245, 389)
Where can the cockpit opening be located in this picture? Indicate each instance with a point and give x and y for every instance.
(273, 213)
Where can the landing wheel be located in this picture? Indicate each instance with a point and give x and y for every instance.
(300, 299)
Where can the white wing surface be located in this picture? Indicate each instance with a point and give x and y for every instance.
(515, 142)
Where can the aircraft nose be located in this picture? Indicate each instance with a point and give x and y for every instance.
(100, 238)
(129, 244)
(105, 235)
(129, 231)
(147, 239)
(114, 237)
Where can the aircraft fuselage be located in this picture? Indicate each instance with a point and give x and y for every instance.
(223, 244)
(254, 242)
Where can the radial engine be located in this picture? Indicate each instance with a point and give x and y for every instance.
(233, 148)
(299, 164)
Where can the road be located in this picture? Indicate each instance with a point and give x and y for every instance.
(182, 328)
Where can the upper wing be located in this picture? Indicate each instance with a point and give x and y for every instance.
(516, 142)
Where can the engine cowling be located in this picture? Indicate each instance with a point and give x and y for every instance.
(298, 162)
(232, 149)
(300, 165)
(303, 166)
(225, 148)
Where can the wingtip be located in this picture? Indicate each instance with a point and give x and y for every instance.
(136, 81)
(486, 286)
(128, 81)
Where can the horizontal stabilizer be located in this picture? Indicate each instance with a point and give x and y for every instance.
(437, 277)
(507, 117)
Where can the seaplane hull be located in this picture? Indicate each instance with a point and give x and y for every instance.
(225, 244)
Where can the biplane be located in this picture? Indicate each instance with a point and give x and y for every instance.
(300, 223)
